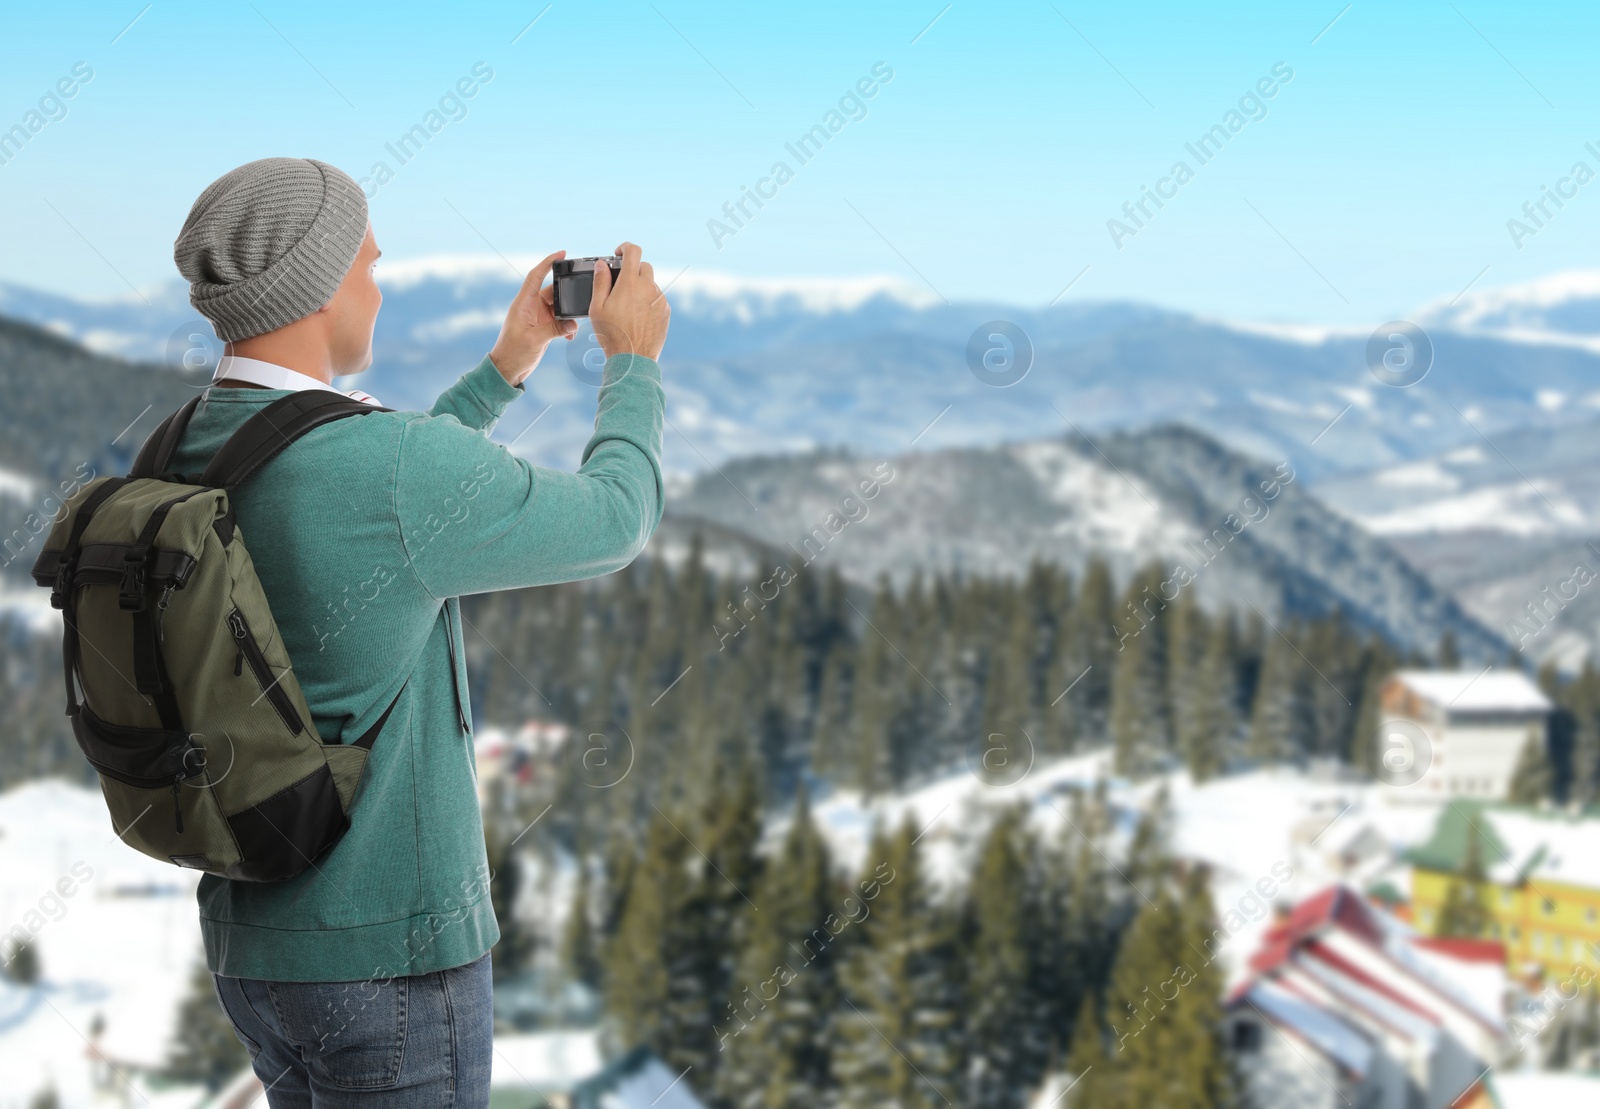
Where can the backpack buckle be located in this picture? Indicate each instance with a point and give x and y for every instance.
(62, 588)
(130, 598)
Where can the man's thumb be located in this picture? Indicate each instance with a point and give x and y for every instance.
(602, 286)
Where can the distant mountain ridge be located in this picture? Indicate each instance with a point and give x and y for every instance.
(1238, 531)
(870, 362)
(1497, 524)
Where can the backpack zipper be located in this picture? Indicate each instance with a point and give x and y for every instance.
(250, 651)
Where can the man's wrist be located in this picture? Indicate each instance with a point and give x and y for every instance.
(502, 365)
(500, 362)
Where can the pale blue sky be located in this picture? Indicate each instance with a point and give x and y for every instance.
(1382, 175)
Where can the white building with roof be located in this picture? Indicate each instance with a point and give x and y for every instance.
(1463, 730)
(1347, 1006)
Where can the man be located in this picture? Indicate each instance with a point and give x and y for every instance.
(364, 980)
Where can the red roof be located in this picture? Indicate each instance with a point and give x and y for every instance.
(1335, 905)
(1300, 934)
(1468, 951)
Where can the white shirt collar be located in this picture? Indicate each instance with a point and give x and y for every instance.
(273, 376)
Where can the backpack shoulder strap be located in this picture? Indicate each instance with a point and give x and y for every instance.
(157, 450)
(269, 431)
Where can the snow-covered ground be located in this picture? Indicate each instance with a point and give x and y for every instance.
(1269, 836)
(124, 942)
(117, 937)
(1545, 1090)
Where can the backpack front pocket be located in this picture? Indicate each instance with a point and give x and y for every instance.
(250, 652)
(146, 769)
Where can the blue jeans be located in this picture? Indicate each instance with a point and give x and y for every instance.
(402, 1043)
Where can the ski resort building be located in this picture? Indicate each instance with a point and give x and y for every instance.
(1540, 881)
(1474, 727)
(1346, 1006)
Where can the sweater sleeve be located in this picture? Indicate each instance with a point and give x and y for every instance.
(475, 518)
(477, 398)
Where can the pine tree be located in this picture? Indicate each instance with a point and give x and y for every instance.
(1449, 653)
(580, 950)
(21, 962)
(1086, 1063)
(1463, 912)
(1009, 707)
(514, 951)
(1203, 1062)
(1214, 708)
(1187, 636)
(1533, 777)
(1137, 1070)
(1090, 655)
(1364, 746)
(1007, 1035)
(873, 701)
(1164, 1008)
(1332, 669)
(722, 909)
(1581, 698)
(1140, 721)
(775, 1029)
(643, 959)
(899, 1043)
(204, 1049)
(1278, 721)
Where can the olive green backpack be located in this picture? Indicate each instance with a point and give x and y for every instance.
(191, 714)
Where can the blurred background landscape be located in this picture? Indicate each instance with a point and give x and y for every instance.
(1178, 692)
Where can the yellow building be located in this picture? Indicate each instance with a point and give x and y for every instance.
(1540, 887)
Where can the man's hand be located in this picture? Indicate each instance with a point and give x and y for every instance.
(530, 325)
(632, 317)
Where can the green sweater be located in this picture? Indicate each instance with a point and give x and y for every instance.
(363, 534)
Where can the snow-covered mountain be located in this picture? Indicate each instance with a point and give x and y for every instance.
(1508, 522)
(1236, 530)
(781, 367)
(870, 362)
(1562, 309)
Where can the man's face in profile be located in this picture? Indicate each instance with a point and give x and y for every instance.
(353, 311)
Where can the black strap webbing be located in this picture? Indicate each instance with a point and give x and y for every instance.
(63, 596)
(370, 736)
(272, 429)
(157, 450)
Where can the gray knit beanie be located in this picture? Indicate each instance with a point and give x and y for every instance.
(268, 243)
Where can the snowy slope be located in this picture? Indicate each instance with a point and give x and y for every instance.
(1129, 498)
(122, 945)
(1526, 484)
(1547, 1090)
(1248, 828)
(1497, 524)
